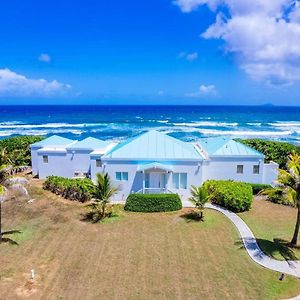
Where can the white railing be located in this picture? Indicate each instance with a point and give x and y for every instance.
(154, 191)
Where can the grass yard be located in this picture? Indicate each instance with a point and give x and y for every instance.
(273, 226)
(136, 256)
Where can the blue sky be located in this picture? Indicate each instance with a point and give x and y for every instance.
(150, 52)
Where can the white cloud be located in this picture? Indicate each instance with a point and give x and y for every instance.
(204, 90)
(263, 34)
(44, 57)
(13, 84)
(188, 56)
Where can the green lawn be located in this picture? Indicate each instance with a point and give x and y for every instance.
(135, 256)
(273, 226)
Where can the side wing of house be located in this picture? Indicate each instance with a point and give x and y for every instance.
(229, 159)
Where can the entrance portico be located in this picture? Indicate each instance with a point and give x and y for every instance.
(155, 178)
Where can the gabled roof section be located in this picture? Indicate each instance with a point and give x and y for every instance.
(154, 145)
(221, 146)
(53, 141)
(89, 143)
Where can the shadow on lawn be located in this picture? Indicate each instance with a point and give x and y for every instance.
(192, 216)
(7, 239)
(271, 248)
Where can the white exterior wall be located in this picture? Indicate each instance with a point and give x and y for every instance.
(226, 168)
(270, 173)
(135, 177)
(57, 165)
(34, 161)
(78, 160)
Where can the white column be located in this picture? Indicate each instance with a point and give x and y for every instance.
(143, 181)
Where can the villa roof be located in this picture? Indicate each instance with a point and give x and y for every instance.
(89, 143)
(222, 146)
(154, 145)
(53, 140)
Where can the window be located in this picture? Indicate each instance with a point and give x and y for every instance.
(45, 159)
(240, 169)
(122, 176)
(180, 180)
(256, 169)
(98, 163)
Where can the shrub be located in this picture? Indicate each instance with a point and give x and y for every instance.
(74, 189)
(273, 151)
(257, 187)
(277, 195)
(16, 150)
(233, 195)
(153, 202)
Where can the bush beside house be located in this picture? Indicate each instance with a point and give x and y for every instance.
(153, 202)
(257, 187)
(74, 189)
(235, 196)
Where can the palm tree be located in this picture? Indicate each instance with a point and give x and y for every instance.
(3, 178)
(103, 192)
(199, 198)
(289, 186)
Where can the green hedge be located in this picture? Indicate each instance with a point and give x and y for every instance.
(257, 187)
(273, 151)
(235, 196)
(17, 150)
(153, 202)
(74, 189)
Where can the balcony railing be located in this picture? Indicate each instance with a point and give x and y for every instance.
(154, 191)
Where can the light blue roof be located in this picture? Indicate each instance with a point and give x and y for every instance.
(53, 140)
(88, 143)
(221, 146)
(154, 145)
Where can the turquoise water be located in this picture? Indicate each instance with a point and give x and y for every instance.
(120, 122)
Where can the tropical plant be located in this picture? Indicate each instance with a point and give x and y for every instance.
(103, 191)
(3, 178)
(289, 184)
(199, 198)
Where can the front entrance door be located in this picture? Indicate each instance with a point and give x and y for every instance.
(155, 180)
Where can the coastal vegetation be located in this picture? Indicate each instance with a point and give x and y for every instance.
(273, 150)
(257, 187)
(233, 195)
(79, 189)
(16, 150)
(153, 202)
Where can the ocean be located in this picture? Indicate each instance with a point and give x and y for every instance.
(120, 122)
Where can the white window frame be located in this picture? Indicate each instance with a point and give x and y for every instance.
(240, 169)
(256, 169)
(180, 183)
(123, 176)
(98, 163)
(45, 159)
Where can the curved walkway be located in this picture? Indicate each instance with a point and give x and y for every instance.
(256, 254)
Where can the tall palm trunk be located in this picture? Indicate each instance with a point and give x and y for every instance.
(0, 222)
(296, 231)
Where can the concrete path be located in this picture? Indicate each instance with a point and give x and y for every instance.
(256, 254)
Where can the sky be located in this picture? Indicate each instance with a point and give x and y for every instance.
(150, 52)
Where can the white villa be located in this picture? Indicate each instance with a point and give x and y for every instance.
(152, 162)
